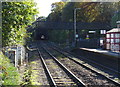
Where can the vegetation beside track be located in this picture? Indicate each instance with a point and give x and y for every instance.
(16, 16)
(8, 73)
(36, 71)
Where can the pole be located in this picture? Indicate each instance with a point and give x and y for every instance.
(75, 27)
(75, 42)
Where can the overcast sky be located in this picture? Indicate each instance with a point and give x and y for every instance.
(45, 6)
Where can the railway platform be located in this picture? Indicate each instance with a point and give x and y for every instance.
(104, 52)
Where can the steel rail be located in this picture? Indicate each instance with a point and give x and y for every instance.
(52, 82)
(116, 83)
(93, 62)
(75, 79)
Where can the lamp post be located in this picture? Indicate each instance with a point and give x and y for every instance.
(75, 35)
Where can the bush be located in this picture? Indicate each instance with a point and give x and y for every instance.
(9, 73)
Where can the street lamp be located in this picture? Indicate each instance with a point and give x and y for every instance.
(75, 35)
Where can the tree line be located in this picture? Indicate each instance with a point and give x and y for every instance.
(89, 12)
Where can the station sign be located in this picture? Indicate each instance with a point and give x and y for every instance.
(92, 31)
(102, 31)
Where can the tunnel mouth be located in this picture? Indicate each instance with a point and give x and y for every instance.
(41, 34)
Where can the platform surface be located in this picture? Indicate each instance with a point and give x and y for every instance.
(105, 52)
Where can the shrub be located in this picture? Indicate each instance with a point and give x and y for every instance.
(9, 73)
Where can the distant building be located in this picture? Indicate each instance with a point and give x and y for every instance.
(113, 39)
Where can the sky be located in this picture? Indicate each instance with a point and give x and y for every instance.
(44, 6)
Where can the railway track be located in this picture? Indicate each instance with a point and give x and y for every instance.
(110, 71)
(56, 72)
(89, 76)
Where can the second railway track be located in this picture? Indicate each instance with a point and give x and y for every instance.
(104, 69)
(87, 76)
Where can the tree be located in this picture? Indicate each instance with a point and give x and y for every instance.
(41, 18)
(68, 12)
(106, 11)
(115, 18)
(90, 11)
(56, 11)
(87, 13)
(15, 17)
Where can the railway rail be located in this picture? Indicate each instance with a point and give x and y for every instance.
(96, 77)
(56, 72)
(111, 71)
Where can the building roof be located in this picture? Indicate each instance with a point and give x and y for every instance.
(114, 30)
(118, 22)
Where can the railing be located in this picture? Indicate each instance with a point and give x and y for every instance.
(15, 53)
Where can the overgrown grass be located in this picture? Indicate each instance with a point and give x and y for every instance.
(8, 73)
(26, 77)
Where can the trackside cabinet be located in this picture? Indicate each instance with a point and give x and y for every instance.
(113, 40)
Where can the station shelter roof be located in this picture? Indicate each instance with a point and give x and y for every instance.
(114, 30)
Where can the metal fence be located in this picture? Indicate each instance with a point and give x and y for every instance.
(16, 54)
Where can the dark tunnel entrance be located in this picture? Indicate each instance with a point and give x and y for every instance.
(41, 34)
